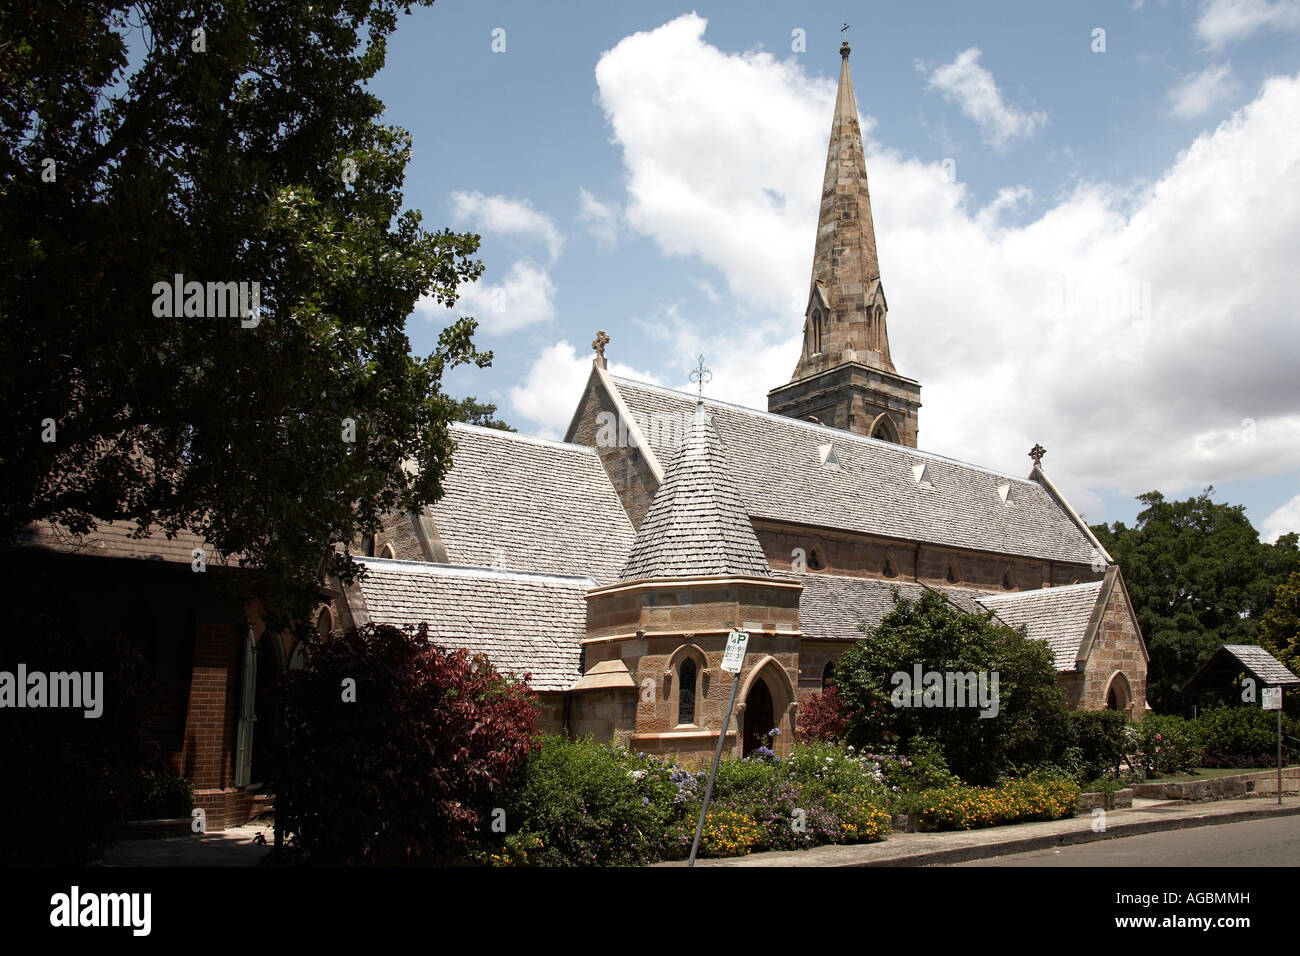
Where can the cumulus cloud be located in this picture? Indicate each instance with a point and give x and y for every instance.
(525, 296)
(499, 214)
(550, 391)
(600, 218)
(1282, 521)
(972, 87)
(1129, 332)
(1221, 22)
(1198, 93)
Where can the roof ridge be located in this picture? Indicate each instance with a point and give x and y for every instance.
(1082, 585)
(827, 429)
(516, 436)
(439, 569)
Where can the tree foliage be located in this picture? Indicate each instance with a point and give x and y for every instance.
(223, 142)
(1199, 577)
(1279, 628)
(1030, 724)
(473, 412)
(408, 766)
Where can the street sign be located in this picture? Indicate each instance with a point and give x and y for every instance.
(1270, 698)
(734, 656)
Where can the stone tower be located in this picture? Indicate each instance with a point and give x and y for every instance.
(845, 377)
(655, 640)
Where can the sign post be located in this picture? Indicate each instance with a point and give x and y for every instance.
(733, 660)
(1271, 699)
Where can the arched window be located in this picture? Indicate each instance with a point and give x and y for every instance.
(815, 561)
(890, 570)
(951, 576)
(686, 692)
(388, 551)
(1008, 583)
(827, 671)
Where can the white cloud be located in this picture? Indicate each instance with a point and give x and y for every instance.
(1222, 22)
(1129, 332)
(550, 391)
(1198, 93)
(971, 86)
(600, 218)
(505, 216)
(1285, 519)
(525, 296)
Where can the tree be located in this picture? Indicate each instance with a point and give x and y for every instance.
(244, 148)
(1028, 727)
(1279, 628)
(394, 750)
(1198, 577)
(472, 412)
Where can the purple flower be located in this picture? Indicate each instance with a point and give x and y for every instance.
(645, 801)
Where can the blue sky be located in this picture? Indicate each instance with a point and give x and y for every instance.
(1089, 249)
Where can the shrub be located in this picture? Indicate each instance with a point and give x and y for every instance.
(1239, 736)
(411, 769)
(1029, 727)
(161, 795)
(1101, 739)
(1168, 744)
(965, 808)
(822, 719)
(591, 804)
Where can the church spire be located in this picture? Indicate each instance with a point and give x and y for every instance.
(845, 377)
(846, 304)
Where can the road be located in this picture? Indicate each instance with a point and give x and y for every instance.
(1273, 842)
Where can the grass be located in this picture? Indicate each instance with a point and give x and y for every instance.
(1205, 773)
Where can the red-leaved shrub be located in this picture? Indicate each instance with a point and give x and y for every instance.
(822, 718)
(411, 769)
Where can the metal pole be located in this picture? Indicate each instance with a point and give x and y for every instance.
(717, 756)
(1279, 753)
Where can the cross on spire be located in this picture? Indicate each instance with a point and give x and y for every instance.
(844, 47)
(701, 374)
(1037, 453)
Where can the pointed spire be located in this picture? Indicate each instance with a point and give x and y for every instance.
(697, 523)
(850, 316)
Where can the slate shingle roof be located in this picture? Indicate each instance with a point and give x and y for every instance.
(778, 471)
(1268, 669)
(1057, 615)
(697, 523)
(832, 606)
(116, 539)
(530, 505)
(522, 622)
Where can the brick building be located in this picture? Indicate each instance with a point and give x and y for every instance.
(612, 565)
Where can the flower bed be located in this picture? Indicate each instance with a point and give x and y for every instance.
(963, 807)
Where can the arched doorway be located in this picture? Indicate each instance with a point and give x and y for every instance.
(758, 717)
(1118, 695)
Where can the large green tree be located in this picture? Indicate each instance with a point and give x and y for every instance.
(1199, 577)
(223, 142)
(1027, 727)
(1279, 628)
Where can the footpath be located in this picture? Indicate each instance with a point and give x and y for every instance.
(959, 846)
(238, 847)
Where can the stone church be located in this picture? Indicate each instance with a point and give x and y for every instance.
(611, 566)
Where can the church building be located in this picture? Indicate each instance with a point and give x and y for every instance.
(612, 565)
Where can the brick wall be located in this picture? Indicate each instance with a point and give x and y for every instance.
(1116, 648)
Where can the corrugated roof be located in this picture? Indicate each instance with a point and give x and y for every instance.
(522, 622)
(526, 504)
(778, 471)
(696, 524)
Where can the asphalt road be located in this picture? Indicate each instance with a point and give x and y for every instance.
(1273, 842)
